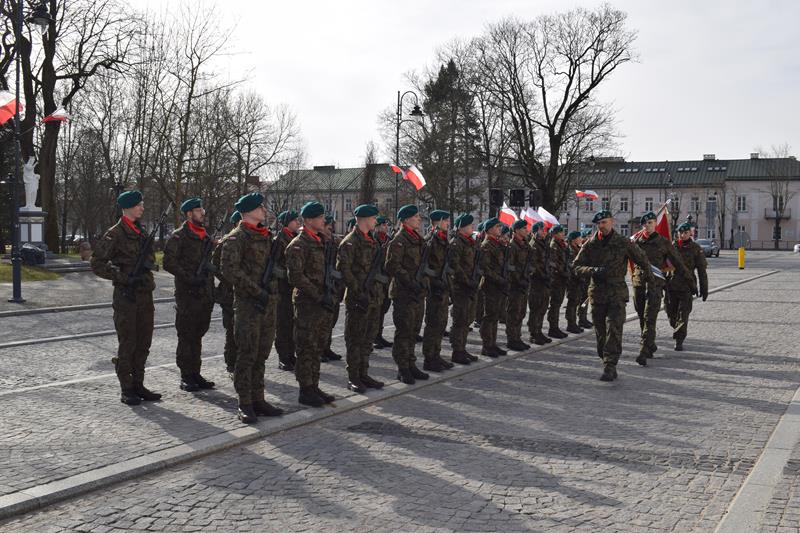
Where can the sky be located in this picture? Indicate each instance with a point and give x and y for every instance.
(711, 77)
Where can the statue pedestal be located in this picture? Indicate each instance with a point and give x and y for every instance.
(31, 227)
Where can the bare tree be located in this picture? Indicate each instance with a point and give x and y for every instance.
(366, 193)
(781, 168)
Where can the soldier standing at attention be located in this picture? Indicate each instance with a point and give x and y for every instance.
(539, 294)
(558, 280)
(185, 258)
(114, 258)
(305, 266)
(647, 292)
(583, 307)
(284, 336)
(493, 285)
(382, 237)
(439, 295)
(356, 261)
(574, 282)
(403, 260)
(223, 295)
(605, 258)
(479, 300)
(505, 238)
(245, 257)
(329, 234)
(520, 258)
(463, 287)
(681, 288)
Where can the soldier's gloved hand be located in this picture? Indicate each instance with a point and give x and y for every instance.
(705, 295)
(599, 273)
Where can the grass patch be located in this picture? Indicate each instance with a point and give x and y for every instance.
(29, 273)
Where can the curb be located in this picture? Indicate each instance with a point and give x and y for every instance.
(46, 494)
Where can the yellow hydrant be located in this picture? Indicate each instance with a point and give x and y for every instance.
(741, 258)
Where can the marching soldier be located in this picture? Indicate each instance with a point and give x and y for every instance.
(438, 297)
(605, 258)
(329, 234)
(407, 290)
(559, 276)
(246, 256)
(284, 336)
(305, 266)
(583, 307)
(114, 258)
(648, 291)
(223, 295)
(359, 261)
(520, 258)
(186, 258)
(681, 288)
(382, 237)
(463, 287)
(574, 282)
(493, 285)
(539, 293)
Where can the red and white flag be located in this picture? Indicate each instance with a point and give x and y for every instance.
(396, 169)
(8, 106)
(507, 215)
(589, 195)
(662, 222)
(415, 176)
(531, 217)
(548, 219)
(59, 115)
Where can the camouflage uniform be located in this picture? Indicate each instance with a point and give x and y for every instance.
(383, 240)
(223, 295)
(539, 293)
(284, 336)
(680, 288)
(438, 298)
(403, 259)
(608, 291)
(494, 287)
(245, 254)
(194, 296)
(462, 289)
(113, 258)
(333, 317)
(575, 287)
(559, 276)
(521, 258)
(647, 295)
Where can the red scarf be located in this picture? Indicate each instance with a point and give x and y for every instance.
(411, 232)
(599, 235)
(367, 236)
(680, 243)
(469, 239)
(289, 233)
(383, 237)
(131, 224)
(442, 235)
(312, 234)
(563, 244)
(494, 239)
(261, 230)
(200, 231)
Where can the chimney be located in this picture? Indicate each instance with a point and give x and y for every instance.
(325, 168)
(709, 157)
(754, 155)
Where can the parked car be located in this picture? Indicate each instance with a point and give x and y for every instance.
(709, 246)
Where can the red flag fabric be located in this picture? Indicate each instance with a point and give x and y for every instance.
(507, 215)
(415, 177)
(8, 106)
(396, 169)
(662, 223)
(589, 195)
(59, 115)
(531, 217)
(548, 219)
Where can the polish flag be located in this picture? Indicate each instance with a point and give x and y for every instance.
(59, 115)
(415, 176)
(531, 217)
(662, 222)
(396, 169)
(589, 195)
(8, 106)
(507, 215)
(548, 219)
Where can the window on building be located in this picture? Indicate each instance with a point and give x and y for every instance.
(694, 205)
(388, 204)
(711, 233)
(623, 205)
(777, 202)
(741, 204)
(711, 206)
(740, 228)
(348, 205)
(623, 230)
(606, 203)
(648, 204)
(589, 205)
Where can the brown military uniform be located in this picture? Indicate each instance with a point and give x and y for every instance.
(383, 240)
(559, 276)
(284, 336)
(575, 286)
(223, 295)
(521, 258)
(438, 299)
(463, 289)
(328, 353)
(539, 293)
(494, 287)
(681, 287)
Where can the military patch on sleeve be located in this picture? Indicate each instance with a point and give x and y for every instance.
(231, 238)
(349, 243)
(109, 237)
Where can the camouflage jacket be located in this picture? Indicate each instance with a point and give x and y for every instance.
(539, 270)
(437, 242)
(694, 259)
(611, 252)
(657, 249)
(493, 254)
(183, 254)
(354, 260)
(521, 258)
(305, 267)
(574, 278)
(403, 258)
(245, 254)
(462, 261)
(114, 255)
(559, 264)
(223, 294)
(282, 241)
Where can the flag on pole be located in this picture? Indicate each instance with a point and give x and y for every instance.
(507, 215)
(662, 222)
(59, 115)
(415, 177)
(8, 106)
(589, 195)
(548, 219)
(396, 169)
(531, 217)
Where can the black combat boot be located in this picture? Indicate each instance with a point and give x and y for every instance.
(405, 376)
(129, 397)
(678, 346)
(264, 408)
(585, 323)
(447, 365)
(380, 342)
(189, 384)
(471, 357)
(370, 382)
(330, 355)
(202, 382)
(609, 373)
(146, 394)
(499, 350)
(556, 333)
(432, 365)
(287, 363)
(461, 358)
(642, 359)
(309, 396)
(539, 339)
(327, 398)
(246, 413)
(490, 351)
(419, 338)
(355, 384)
(417, 373)
(573, 328)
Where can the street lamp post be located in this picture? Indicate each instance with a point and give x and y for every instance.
(415, 112)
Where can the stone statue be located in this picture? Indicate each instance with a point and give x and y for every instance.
(31, 180)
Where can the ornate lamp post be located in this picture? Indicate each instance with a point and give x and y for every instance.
(415, 112)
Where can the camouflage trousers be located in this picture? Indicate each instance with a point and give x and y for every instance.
(573, 301)
(254, 333)
(311, 322)
(406, 314)
(284, 334)
(462, 311)
(331, 324)
(387, 302)
(679, 307)
(493, 300)
(583, 311)
(229, 353)
(435, 325)
(516, 307)
(557, 293)
(538, 299)
(480, 306)
(360, 329)
(133, 321)
(608, 320)
(647, 301)
(192, 319)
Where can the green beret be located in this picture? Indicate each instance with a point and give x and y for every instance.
(572, 235)
(519, 224)
(558, 228)
(287, 216)
(537, 226)
(648, 216)
(248, 202)
(438, 214)
(684, 227)
(488, 224)
(382, 220)
(312, 210)
(129, 199)
(191, 203)
(601, 215)
(463, 220)
(481, 225)
(586, 232)
(351, 223)
(366, 210)
(329, 219)
(236, 217)
(407, 211)
(505, 230)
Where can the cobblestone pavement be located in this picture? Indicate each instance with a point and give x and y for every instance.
(536, 443)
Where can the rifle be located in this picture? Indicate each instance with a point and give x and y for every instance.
(205, 264)
(444, 276)
(375, 274)
(423, 269)
(506, 269)
(477, 273)
(266, 278)
(142, 264)
(331, 275)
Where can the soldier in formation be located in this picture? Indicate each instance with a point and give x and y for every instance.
(520, 259)
(559, 277)
(683, 286)
(464, 281)
(494, 284)
(575, 283)
(223, 295)
(284, 336)
(539, 294)
(382, 238)
(438, 299)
